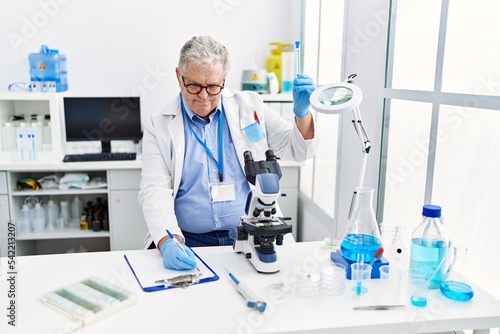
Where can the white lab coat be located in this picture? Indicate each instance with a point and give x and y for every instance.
(163, 153)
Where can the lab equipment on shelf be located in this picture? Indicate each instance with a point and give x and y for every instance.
(51, 215)
(8, 137)
(24, 220)
(38, 217)
(76, 208)
(429, 246)
(64, 216)
(48, 71)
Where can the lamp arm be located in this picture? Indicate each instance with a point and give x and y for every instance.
(360, 129)
(365, 147)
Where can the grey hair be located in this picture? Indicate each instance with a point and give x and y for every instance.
(204, 50)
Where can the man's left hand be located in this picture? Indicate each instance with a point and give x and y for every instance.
(303, 86)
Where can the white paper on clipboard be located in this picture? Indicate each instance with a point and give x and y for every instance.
(147, 266)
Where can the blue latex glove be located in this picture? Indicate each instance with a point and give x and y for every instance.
(174, 258)
(303, 86)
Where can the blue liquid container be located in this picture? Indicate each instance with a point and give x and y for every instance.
(364, 244)
(429, 246)
(458, 291)
(49, 66)
(418, 301)
(456, 285)
(362, 237)
(427, 254)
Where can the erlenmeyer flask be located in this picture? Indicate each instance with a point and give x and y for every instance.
(399, 249)
(362, 237)
(456, 285)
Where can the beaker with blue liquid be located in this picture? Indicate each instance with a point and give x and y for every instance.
(362, 237)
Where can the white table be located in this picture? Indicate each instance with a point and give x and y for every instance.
(216, 307)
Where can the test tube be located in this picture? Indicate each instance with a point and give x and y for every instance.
(297, 57)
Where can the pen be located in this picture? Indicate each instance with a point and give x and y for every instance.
(256, 117)
(178, 244)
(245, 291)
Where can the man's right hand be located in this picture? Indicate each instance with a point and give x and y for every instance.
(175, 258)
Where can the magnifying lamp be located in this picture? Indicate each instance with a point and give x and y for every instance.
(340, 97)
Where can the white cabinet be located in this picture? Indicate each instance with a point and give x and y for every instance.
(127, 222)
(127, 228)
(67, 239)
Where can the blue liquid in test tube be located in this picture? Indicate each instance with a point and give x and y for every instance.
(297, 57)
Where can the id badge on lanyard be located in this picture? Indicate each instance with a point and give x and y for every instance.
(222, 191)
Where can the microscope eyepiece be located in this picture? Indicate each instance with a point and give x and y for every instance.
(270, 155)
(247, 156)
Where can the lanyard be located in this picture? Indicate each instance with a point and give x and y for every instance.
(220, 161)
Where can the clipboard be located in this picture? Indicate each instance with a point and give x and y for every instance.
(147, 267)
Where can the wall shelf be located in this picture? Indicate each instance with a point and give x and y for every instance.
(67, 233)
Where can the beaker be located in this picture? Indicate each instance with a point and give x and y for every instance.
(456, 284)
(362, 237)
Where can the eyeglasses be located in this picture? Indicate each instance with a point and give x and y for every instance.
(196, 89)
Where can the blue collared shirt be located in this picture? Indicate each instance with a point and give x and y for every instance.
(195, 211)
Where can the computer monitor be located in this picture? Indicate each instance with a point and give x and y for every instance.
(103, 119)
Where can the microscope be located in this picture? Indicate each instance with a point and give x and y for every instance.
(259, 228)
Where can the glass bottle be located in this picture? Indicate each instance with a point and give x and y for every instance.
(456, 285)
(429, 246)
(362, 237)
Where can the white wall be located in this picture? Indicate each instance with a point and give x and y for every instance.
(131, 47)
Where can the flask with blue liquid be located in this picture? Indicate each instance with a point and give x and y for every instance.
(456, 285)
(429, 246)
(362, 237)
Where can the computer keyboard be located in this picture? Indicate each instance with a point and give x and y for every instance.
(99, 157)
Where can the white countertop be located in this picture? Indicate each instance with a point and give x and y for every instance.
(216, 307)
(54, 163)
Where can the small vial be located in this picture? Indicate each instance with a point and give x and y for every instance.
(84, 225)
(96, 225)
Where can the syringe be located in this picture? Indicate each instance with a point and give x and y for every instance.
(297, 57)
(246, 293)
